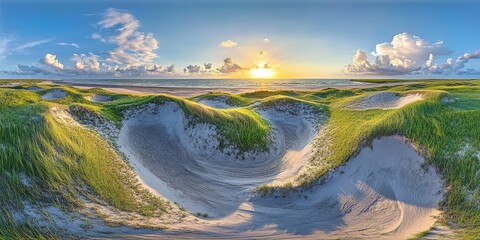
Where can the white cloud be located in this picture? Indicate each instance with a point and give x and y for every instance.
(406, 49)
(192, 69)
(266, 40)
(86, 63)
(229, 66)
(51, 61)
(69, 44)
(228, 44)
(206, 68)
(4, 42)
(96, 36)
(134, 48)
(408, 54)
(133, 55)
(27, 70)
(8, 45)
(31, 44)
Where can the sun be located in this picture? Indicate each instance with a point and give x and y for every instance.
(262, 71)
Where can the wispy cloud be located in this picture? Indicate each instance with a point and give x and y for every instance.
(9, 45)
(69, 44)
(134, 48)
(31, 44)
(4, 42)
(97, 36)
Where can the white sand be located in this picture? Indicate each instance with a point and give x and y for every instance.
(382, 193)
(62, 115)
(182, 164)
(54, 94)
(216, 103)
(99, 98)
(385, 100)
(10, 84)
(34, 88)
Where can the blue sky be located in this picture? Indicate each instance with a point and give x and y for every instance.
(306, 39)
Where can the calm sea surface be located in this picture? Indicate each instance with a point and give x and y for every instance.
(222, 83)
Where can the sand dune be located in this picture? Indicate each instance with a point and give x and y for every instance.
(382, 193)
(216, 103)
(385, 100)
(54, 94)
(99, 98)
(184, 165)
(34, 88)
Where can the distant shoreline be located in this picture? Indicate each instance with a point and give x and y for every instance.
(195, 91)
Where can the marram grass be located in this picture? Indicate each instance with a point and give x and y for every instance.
(71, 161)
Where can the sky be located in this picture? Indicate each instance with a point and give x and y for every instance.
(239, 39)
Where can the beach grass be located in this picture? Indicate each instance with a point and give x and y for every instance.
(71, 161)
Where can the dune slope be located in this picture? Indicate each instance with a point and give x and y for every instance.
(382, 193)
(184, 163)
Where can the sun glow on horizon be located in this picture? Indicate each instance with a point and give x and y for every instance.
(262, 71)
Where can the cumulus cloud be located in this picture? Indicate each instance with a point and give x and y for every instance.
(141, 70)
(206, 68)
(134, 48)
(27, 70)
(228, 44)
(170, 69)
(133, 55)
(229, 66)
(262, 54)
(51, 61)
(86, 63)
(89, 65)
(192, 69)
(407, 54)
(69, 44)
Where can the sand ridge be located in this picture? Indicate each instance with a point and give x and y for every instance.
(54, 94)
(184, 165)
(99, 98)
(385, 100)
(383, 192)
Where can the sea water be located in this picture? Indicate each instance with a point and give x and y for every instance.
(222, 83)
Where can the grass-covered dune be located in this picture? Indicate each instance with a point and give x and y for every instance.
(44, 162)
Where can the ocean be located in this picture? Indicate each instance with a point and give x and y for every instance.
(222, 83)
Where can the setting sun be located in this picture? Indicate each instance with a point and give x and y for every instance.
(262, 71)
